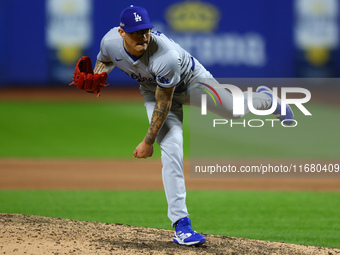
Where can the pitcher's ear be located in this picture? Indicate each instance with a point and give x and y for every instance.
(121, 32)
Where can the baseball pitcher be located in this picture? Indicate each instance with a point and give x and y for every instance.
(169, 77)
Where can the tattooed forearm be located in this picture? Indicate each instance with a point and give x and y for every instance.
(160, 112)
(103, 67)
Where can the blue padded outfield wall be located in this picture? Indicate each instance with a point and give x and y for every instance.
(41, 41)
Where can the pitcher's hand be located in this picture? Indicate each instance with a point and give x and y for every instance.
(143, 150)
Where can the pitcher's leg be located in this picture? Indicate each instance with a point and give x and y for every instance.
(170, 139)
(225, 107)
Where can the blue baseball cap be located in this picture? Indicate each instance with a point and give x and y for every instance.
(134, 18)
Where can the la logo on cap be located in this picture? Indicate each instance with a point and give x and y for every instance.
(137, 17)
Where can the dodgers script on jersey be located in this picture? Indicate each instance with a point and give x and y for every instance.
(164, 63)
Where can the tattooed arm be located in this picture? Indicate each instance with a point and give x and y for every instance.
(163, 98)
(103, 67)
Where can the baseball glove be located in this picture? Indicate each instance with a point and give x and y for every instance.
(85, 79)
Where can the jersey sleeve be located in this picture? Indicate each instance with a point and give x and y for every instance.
(103, 56)
(168, 72)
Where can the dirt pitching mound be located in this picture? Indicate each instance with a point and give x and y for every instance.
(26, 234)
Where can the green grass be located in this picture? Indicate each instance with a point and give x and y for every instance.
(113, 130)
(294, 217)
(71, 130)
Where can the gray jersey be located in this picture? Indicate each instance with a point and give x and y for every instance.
(164, 63)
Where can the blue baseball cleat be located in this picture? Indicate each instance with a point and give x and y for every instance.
(289, 117)
(185, 235)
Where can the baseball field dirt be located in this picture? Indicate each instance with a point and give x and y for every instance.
(27, 234)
